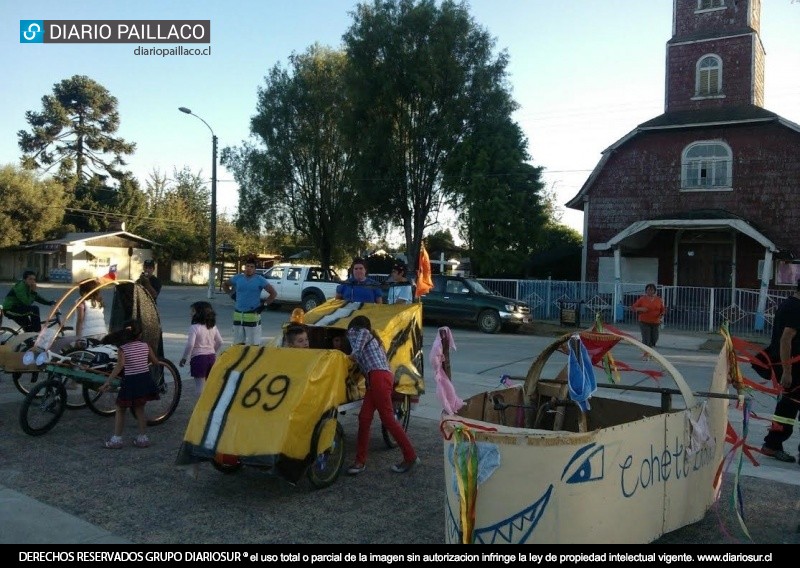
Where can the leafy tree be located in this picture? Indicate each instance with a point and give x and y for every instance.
(557, 254)
(176, 215)
(299, 177)
(97, 207)
(499, 197)
(441, 241)
(32, 208)
(75, 132)
(417, 70)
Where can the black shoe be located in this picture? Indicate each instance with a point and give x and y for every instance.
(779, 455)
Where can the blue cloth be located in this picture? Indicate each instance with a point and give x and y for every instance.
(488, 461)
(368, 290)
(580, 375)
(248, 291)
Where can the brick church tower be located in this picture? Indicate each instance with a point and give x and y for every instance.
(707, 194)
(715, 57)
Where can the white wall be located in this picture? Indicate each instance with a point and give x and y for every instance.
(633, 271)
(189, 273)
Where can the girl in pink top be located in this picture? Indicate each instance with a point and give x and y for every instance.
(202, 344)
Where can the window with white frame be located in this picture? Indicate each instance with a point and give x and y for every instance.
(706, 165)
(709, 76)
(710, 4)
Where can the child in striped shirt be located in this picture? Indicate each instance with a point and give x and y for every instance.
(134, 358)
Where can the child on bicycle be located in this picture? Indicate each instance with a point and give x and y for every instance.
(202, 344)
(137, 386)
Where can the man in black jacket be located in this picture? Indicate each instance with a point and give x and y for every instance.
(785, 345)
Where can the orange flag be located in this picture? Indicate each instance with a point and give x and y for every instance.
(424, 280)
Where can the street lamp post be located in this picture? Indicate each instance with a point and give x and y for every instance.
(212, 251)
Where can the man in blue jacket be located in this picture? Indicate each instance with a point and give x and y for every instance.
(359, 288)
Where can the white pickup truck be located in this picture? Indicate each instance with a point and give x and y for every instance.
(306, 285)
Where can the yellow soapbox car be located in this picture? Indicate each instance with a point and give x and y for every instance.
(276, 407)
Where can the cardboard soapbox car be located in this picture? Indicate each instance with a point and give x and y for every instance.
(276, 407)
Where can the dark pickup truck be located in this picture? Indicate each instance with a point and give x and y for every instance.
(460, 299)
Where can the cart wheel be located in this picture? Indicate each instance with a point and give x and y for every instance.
(42, 407)
(168, 384)
(226, 463)
(327, 445)
(402, 411)
(102, 403)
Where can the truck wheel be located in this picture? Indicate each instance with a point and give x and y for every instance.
(489, 321)
(313, 300)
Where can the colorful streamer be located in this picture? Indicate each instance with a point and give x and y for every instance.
(465, 460)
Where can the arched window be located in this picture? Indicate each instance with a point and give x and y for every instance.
(709, 76)
(710, 4)
(706, 165)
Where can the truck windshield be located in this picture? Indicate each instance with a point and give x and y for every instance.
(477, 287)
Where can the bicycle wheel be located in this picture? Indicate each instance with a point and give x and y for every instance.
(6, 333)
(25, 381)
(43, 407)
(328, 453)
(72, 388)
(168, 383)
(102, 403)
(402, 411)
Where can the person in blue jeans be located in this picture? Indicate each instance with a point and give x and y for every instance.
(248, 305)
(359, 288)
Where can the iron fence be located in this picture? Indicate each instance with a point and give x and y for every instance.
(694, 309)
(688, 308)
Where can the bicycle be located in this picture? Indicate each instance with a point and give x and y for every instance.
(7, 332)
(45, 404)
(25, 381)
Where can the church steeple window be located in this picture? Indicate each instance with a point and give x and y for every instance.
(709, 76)
(710, 4)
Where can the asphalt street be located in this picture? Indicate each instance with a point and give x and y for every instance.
(63, 487)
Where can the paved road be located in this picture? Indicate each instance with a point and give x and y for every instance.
(64, 488)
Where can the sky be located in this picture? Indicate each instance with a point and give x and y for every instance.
(584, 73)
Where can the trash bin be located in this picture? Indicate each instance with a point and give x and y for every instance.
(570, 312)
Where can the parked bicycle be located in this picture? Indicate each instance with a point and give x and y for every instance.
(54, 378)
(89, 368)
(22, 341)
